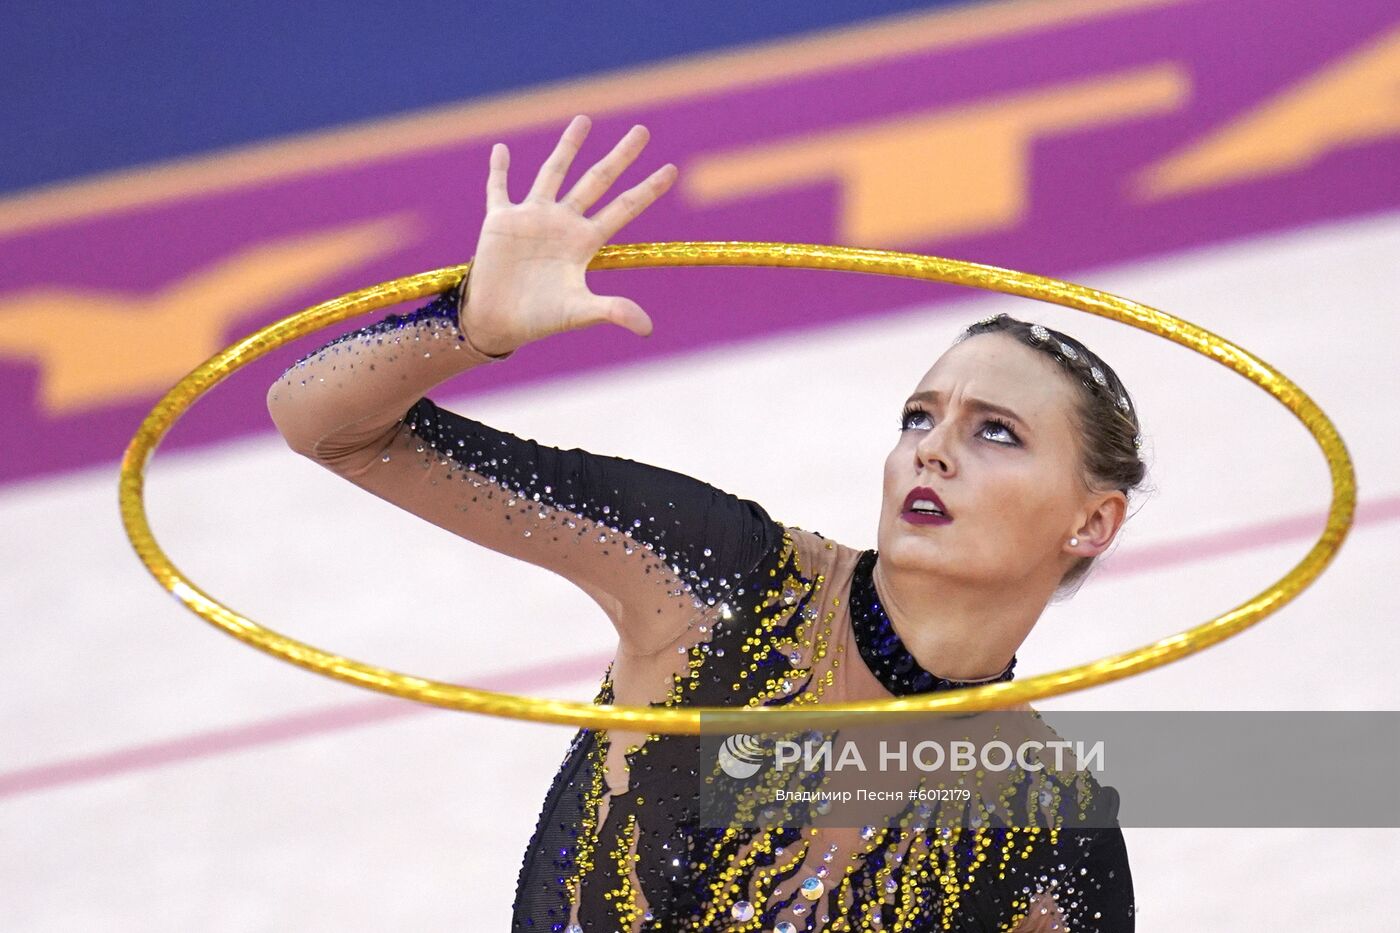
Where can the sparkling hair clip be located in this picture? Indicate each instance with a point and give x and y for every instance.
(967, 331)
(1040, 334)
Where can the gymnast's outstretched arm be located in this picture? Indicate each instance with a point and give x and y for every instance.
(653, 547)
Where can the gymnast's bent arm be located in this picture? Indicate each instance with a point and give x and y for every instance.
(653, 547)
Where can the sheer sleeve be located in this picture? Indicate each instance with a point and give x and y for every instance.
(653, 547)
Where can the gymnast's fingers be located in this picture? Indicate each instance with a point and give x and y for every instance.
(551, 174)
(633, 201)
(605, 171)
(497, 195)
(615, 309)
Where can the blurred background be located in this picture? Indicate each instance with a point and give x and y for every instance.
(176, 175)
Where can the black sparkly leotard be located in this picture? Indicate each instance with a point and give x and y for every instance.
(717, 604)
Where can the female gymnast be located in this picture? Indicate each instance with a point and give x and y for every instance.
(1016, 454)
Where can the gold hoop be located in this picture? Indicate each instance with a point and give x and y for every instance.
(687, 720)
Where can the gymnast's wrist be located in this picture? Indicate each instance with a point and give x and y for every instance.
(459, 301)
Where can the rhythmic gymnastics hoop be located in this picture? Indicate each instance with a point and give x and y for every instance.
(688, 720)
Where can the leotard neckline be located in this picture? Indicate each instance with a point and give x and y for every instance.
(884, 651)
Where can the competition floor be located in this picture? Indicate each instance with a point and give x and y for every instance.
(158, 776)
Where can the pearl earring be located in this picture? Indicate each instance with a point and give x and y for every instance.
(1073, 542)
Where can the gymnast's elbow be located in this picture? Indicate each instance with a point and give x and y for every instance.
(290, 418)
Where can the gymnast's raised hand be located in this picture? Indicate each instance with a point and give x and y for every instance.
(527, 276)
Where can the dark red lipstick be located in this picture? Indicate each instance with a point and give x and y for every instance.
(930, 510)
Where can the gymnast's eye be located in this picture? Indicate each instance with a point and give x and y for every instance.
(911, 413)
(999, 426)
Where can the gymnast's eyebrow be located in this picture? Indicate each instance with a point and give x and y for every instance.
(976, 404)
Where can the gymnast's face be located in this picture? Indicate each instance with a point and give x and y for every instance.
(1009, 483)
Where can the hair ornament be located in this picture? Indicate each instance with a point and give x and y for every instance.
(1039, 332)
(1067, 350)
(1098, 376)
(1123, 402)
